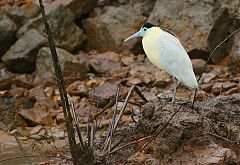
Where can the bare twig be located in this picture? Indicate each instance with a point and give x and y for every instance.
(109, 105)
(210, 56)
(117, 142)
(112, 102)
(128, 144)
(18, 157)
(110, 132)
(123, 108)
(89, 122)
(140, 94)
(113, 125)
(131, 102)
(62, 90)
(92, 130)
(220, 137)
(76, 124)
(21, 148)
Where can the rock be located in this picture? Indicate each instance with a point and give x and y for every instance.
(105, 62)
(73, 68)
(54, 113)
(150, 96)
(7, 140)
(198, 65)
(16, 92)
(163, 79)
(221, 109)
(183, 126)
(60, 118)
(24, 81)
(215, 155)
(103, 2)
(38, 95)
(231, 91)
(66, 33)
(193, 32)
(143, 6)
(107, 30)
(206, 87)
(127, 60)
(8, 80)
(56, 133)
(78, 88)
(187, 139)
(235, 53)
(200, 25)
(7, 31)
(149, 74)
(105, 92)
(36, 116)
(5, 74)
(21, 14)
(49, 91)
(48, 103)
(21, 57)
(135, 81)
(219, 87)
(79, 8)
(207, 77)
(36, 130)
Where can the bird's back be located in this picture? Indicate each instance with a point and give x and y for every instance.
(167, 53)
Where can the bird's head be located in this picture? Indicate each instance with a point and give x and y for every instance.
(142, 31)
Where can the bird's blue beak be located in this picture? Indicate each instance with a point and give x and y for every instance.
(137, 34)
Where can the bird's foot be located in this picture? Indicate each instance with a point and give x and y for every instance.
(173, 100)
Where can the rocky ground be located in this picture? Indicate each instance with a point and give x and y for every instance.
(96, 63)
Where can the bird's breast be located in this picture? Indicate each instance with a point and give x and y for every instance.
(153, 50)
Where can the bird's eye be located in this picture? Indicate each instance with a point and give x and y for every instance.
(144, 29)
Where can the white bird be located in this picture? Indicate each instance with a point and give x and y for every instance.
(166, 52)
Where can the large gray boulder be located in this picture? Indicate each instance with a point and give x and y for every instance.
(235, 52)
(190, 20)
(110, 26)
(79, 8)
(200, 25)
(21, 57)
(21, 14)
(66, 33)
(7, 32)
(73, 68)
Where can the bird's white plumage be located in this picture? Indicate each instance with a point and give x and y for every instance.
(167, 53)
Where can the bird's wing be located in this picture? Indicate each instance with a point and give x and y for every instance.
(175, 59)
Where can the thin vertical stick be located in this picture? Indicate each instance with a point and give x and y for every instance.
(21, 148)
(63, 94)
(210, 56)
(76, 124)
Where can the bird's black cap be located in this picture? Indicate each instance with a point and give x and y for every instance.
(148, 25)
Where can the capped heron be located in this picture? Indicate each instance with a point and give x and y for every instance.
(166, 52)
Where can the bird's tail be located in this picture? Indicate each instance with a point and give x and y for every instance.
(192, 82)
(189, 79)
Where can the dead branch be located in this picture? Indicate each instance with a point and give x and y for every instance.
(76, 125)
(62, 90)
(21, 148)
(210, 56)
(128, 144)
(220, 137)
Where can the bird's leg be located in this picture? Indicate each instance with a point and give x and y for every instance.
(174, 89)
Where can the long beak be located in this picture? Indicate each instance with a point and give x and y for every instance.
(137, 34)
